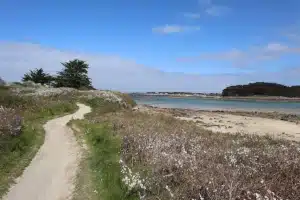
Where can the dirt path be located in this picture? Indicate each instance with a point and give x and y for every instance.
(228, 123)
(50, 175)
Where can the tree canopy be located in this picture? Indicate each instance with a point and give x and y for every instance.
(38, 76)
(262, 88)
(74, 74)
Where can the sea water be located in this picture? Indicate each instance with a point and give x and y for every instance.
(218, 104)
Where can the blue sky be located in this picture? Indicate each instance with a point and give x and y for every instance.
(192, 45)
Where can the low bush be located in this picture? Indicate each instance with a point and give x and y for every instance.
(10, 122)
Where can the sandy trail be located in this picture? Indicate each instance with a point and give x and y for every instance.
(51, 174)
(228, 123)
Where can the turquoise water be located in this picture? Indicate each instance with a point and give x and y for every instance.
(216, 104)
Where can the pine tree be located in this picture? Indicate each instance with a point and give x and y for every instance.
(74, 75)
(37, 76)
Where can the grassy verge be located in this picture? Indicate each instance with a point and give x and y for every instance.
(100, 171)
(103, 166)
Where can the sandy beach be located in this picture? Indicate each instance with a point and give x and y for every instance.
(274, 124)
(229, 123)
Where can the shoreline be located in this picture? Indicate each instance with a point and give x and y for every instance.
(280, 115)
(210, 109)
(274, 124)
(231, 98)
(267, 98)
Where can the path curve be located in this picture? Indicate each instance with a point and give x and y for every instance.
(51, 174)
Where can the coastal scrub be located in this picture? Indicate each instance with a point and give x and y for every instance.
(179, 160)
(21, 129)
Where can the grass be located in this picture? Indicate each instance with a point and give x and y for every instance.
(104, 163)
(17, 150)
(100, 173)
(152, 156)
(34, 107)
(164, 158)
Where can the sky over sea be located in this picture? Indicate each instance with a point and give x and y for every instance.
(155, 45)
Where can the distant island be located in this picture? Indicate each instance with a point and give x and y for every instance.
(258, 91)
(261, 89)
(176, 94)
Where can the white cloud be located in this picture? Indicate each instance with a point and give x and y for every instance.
(276, 47)
(216, 10)
(192, 15)
(293, 36)
(167, 29)
(113, 72)
(239, 58)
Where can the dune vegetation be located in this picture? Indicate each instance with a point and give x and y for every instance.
(145, 155)
(26, 106)
(21, 131)
(23, 112)
(148, 155)
(130, 154)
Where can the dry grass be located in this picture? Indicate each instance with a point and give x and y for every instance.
(163, 158)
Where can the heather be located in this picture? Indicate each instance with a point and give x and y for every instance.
(163, 158)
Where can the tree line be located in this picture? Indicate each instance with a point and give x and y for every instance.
(263, 89)
(74, 75)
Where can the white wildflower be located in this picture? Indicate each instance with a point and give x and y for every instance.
(258, 196)
(130, 179)
(169, 190)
